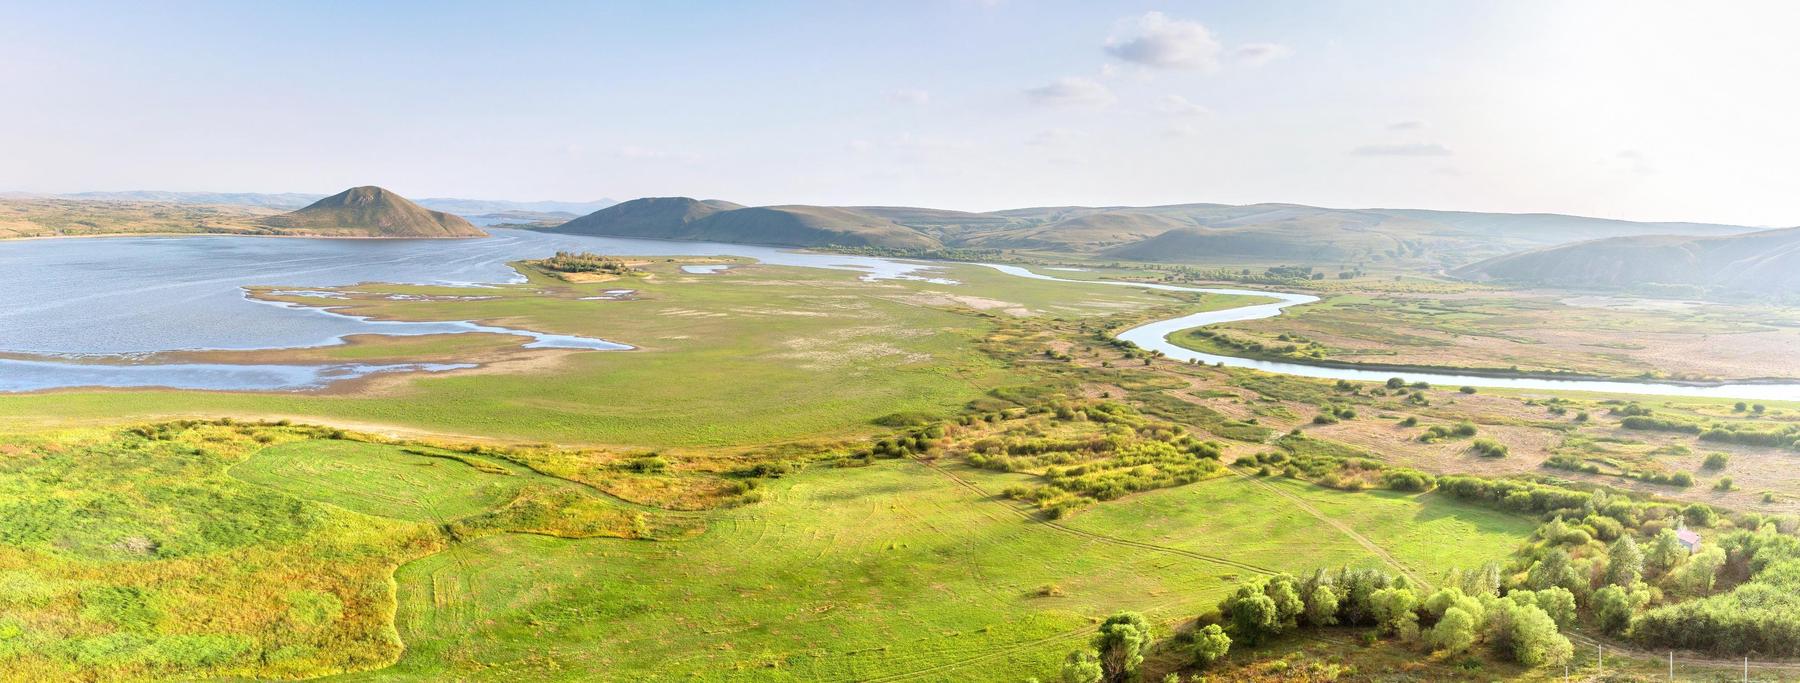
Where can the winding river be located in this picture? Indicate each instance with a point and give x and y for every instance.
(94, 312)
(1154, 336)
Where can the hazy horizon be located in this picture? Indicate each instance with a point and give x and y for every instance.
(1605, 109)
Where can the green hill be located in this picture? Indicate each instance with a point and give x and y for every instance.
(810, 226)
(1173, 233)
(649, 218)
(370, 211)
(683, 218)
(1759, 261)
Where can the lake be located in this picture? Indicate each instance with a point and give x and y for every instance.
(117, 299)
(84, 310)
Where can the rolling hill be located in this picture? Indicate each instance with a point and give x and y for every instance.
(684, 218)
(370, 211)
(1768, 260)
(1174, 233)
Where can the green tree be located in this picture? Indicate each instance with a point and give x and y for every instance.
(1559, 603)
(1526, 634)
(1121, 643)
(1700, 514)
(1393, 610)
(1613, 608)
(1453, 633)
(1625, 562)
(1210, 644)
(1553, 569)
(1285, 592)
(1081, 666)
(1698, 574)
(1446, 598)
(1253, 615)
(1322, 606)
(1665, 550)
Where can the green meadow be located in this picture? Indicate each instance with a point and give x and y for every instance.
(884, 572)
(756, 355)
(727, 501)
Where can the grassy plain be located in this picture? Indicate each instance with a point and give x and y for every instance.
(1533, 332)
(56, 217)
(492, 564)
(869, 573)
(754, 355)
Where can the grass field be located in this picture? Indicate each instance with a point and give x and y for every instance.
(726, 502)
(381, 480)
(879, 573)
(234, 549)
(1506, 330)
(751, 356)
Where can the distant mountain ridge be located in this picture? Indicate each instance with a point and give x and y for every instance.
(686, 218)
(1269, 233)
(370, 211)
(295, 200)
(1767, 260)
(476, 207)
(1170, 233)
(280, 200)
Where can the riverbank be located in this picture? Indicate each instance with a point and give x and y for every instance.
(1189, 340)
(1155, 337)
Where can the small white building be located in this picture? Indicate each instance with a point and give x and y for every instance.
(1688, 539)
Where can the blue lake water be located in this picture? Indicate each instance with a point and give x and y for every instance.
(132, 296)
(120, 298)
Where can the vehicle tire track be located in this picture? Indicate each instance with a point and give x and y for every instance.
(1103, 538)
(1360, 539)
(1011, 649)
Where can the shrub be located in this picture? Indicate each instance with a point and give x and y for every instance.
(1489, 448)
(1467, 390)
(1210, 644)
(1717, 461)
(1454, 632)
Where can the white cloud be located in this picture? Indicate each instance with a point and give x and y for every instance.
(1182, 130)
(1051, 137)
(1258, 54)
(1404, 149)
(1406, 125)
(860, 146)
(1155, 40)
(910, 96)
(1180, 106)
(1072, 91)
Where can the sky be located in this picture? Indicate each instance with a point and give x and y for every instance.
(1631, 109)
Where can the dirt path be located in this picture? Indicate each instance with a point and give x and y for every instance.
(1689, 659)
(1360, 539)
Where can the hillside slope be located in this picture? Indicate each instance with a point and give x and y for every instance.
(684, 218)
(648, 218)
(1766, 261)
(371, 211)
(1174, 233)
